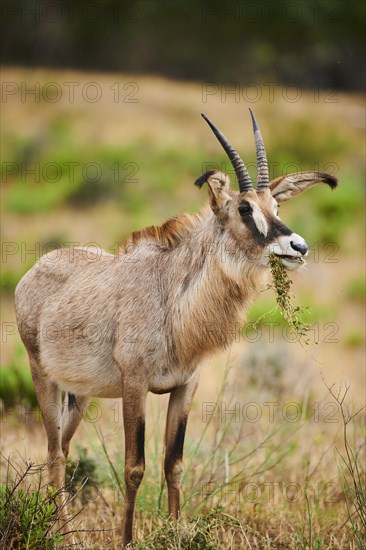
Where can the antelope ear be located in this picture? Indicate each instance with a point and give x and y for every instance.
(287, 187)
(218, 189)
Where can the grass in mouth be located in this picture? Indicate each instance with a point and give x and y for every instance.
(292, 314)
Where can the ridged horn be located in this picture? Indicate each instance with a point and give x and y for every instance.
(262, 164)
(241, 172)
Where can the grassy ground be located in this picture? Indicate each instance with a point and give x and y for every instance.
(271, 473)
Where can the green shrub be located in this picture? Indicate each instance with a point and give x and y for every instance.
(9, 280)
(297, 142)
(26, 515)
(354, 338)
(82, 477)
(323, 216)
(17, 385)
(355, 289)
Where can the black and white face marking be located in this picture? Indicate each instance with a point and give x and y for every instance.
(251, 213)
(290, 247)
(273, 235)
(276, 207)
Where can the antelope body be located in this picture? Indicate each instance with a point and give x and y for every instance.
(96, 324)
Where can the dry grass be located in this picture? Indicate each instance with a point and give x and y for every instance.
(276, 481)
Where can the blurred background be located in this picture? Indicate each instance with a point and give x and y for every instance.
(312, 43)
(101, 135)
(101, 132)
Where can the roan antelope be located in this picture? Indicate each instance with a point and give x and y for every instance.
(161, 307)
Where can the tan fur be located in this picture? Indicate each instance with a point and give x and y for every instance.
(96, 324)
(169, 235)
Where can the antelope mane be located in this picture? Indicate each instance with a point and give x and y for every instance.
(171, 233)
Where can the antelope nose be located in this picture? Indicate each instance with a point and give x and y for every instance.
(299, 247)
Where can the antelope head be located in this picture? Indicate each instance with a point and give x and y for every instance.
(250, 217)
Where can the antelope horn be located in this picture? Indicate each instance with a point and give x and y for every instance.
(263, 174)
(241, 172)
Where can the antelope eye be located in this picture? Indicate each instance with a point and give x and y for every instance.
(244, 209)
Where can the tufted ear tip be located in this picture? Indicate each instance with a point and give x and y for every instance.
(286, 187)
(330, 180)
(202, 179)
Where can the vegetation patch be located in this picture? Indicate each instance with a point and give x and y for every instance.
(28, 513)
(356, 289)
(202, 531)
(82, 476)
(285, 300)
(17, 387)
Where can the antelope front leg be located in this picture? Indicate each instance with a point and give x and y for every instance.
(134, 399)
(179, 405)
